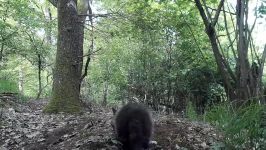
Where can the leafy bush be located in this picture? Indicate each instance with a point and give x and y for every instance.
(8, 86)
(215, 94)
(242, 128)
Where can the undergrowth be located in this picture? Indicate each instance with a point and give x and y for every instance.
(8, 86)
(191, 112)
(243, 128)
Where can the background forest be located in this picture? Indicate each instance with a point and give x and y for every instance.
(201, 59)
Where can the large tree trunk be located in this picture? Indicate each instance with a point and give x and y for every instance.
(242, 61)
(68, 67)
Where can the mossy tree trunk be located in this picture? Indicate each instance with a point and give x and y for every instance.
(68, 66)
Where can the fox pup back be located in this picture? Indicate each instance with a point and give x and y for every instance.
(133, 126)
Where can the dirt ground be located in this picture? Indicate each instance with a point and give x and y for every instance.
(24, 126)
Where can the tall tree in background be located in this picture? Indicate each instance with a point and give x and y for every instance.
(244, 82)
(69, 57)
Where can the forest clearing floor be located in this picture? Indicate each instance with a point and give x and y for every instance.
(24, 126)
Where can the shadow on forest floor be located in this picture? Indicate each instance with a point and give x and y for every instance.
(24, 126)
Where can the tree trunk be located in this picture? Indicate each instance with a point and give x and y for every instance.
(222, 66)
(1, 52)
(242, 61)
(21, 80)
(84, 10)
(39, 76)
(48, 16)
(68, 66)
(249, 85)
(105, 93)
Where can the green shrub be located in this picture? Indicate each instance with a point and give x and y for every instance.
(220, 115)
(191, 112)
(242, 128)
(23, 98)
(8, 86)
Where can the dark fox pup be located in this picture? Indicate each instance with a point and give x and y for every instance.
(133, 126)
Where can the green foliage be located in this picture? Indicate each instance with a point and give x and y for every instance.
(220, 115)
(191, 112)
(23, 98)
(23, 27)
(8, 86)
(216, 94)
(204, 88)
(242, 128)
(262, 8)
(147, 51)
(199, 79)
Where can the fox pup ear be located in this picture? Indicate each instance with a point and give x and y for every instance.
(114, 110)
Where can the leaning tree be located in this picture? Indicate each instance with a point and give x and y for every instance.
(243, 80)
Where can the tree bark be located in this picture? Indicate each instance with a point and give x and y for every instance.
(69, 56)
(21, 80)
(91, 47)
(242, 61)
(48, 16)
(39, 76)
(1, 52)
(105, 93)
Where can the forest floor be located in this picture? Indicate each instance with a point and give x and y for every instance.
(25, 126)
